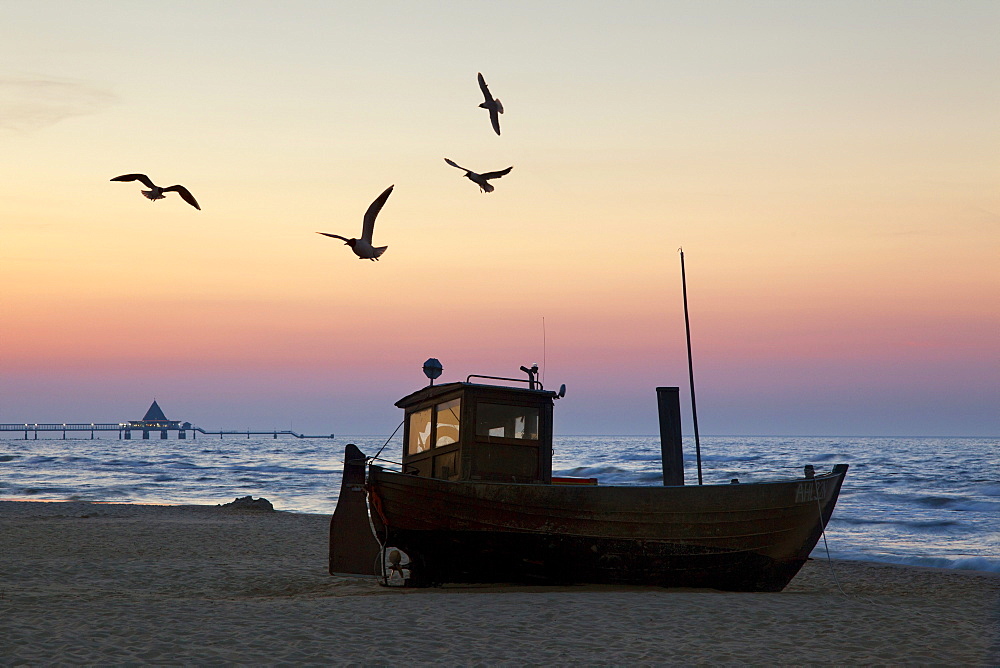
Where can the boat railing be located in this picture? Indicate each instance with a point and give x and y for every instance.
(532, 382)
(402, 466)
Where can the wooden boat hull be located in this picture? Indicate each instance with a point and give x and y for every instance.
(738, 537)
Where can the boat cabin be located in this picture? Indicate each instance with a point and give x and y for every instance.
(477, 431)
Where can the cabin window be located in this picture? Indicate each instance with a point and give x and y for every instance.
(420, 432)
(502, 421)
(448, 422)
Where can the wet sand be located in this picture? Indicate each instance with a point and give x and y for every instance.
(84, 583)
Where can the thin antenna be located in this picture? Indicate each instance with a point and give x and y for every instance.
(687, 331)
(543, 349)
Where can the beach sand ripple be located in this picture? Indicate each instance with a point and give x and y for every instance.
(87, 583)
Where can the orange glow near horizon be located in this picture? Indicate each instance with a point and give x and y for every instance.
(838, 208)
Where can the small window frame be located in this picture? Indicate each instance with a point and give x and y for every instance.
(455, 406)
(411, 441)
(526, 408)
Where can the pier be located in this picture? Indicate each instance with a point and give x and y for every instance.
(30, 430)
(153, 421)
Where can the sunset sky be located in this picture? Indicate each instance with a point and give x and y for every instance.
(831, 169)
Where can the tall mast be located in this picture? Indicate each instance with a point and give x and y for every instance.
(687, 331)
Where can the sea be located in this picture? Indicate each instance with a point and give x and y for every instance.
(917, 501)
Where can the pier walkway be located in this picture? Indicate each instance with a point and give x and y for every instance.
(153, 420)
(125, 429)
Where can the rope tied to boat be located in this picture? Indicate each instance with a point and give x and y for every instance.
(829, 559)
(387, 440)
(375, 503)
(822, 528)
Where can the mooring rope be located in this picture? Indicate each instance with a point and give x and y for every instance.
(822, 528)
(375, 502)
(829, 559)
(387, 440)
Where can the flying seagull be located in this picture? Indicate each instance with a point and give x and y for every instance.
(155, 192)
(493, 105)
(363, 247)
(481, 180)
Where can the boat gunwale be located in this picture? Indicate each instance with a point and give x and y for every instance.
(414, 497)
(818, 477)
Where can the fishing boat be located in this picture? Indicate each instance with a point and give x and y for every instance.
(473, 500)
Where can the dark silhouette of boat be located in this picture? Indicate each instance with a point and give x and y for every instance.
(475, 501)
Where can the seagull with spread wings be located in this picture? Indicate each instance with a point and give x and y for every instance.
(363, 247)
(155, 192)
(481, 180)
(491, 104)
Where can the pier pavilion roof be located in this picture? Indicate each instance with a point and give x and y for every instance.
(154, 419)
(154, 414)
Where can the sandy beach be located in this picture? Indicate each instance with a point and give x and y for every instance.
(86, 583)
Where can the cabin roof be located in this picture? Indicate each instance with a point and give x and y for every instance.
(434, 391)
